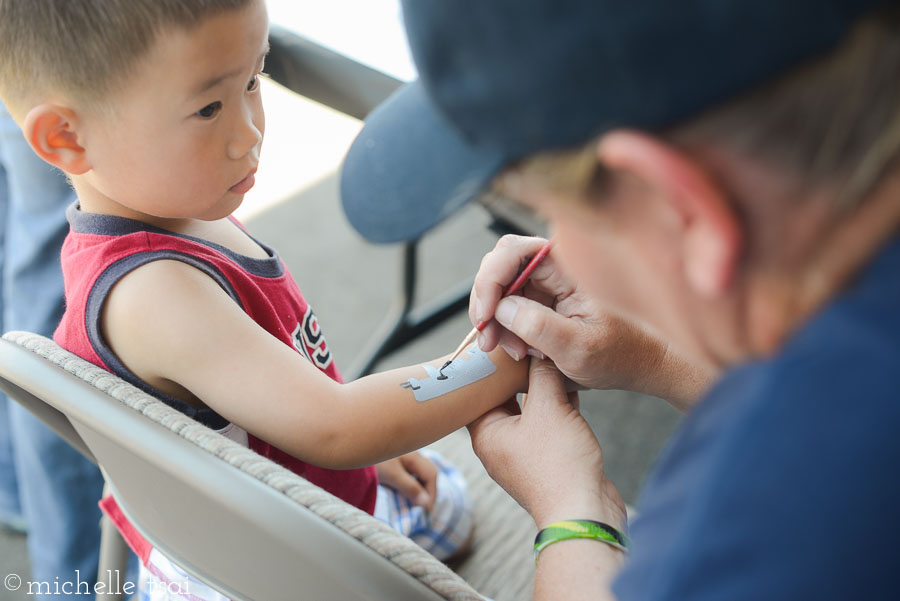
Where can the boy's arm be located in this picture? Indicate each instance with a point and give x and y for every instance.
(174, 327)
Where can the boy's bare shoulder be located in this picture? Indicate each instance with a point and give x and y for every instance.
(158, 309)
(160, 285)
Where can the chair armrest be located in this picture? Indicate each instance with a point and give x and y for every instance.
(326, 76)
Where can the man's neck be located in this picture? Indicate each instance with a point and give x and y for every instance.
(781, 301)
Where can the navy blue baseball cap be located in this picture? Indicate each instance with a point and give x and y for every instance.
(502, 79)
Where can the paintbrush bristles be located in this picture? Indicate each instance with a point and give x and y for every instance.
(466, 342)
(513, 288)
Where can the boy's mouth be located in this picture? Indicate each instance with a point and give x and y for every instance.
(243, 186)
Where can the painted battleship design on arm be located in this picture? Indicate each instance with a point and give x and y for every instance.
(451, 377)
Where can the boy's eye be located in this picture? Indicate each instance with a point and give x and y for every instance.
(254, 83)
(210, 110)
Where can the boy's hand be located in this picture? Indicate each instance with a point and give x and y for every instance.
(413, 476)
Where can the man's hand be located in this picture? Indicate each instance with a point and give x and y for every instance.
(547, 457)
(557, 319)
(412, 475)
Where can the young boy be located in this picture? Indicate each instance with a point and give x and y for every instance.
(152, 107)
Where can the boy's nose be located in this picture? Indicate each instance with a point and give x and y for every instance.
(247, 136)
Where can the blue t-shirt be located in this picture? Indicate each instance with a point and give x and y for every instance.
(784, 483)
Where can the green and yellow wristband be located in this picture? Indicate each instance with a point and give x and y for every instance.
(570, 529)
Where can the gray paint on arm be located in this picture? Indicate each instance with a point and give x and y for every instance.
(456, 375)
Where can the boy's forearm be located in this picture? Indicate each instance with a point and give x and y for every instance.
(379, 416)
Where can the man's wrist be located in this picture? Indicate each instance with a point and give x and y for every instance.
(580, 529)
(602, 507)
(682, 381)
(668, 374)
(642, 361)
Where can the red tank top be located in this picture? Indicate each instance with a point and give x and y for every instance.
(101, 249)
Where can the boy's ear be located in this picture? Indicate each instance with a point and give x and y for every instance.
(51, 130)
(711, 241)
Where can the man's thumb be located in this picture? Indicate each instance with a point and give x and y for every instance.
(539, 326)
(545, 382)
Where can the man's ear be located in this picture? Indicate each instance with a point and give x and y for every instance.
(51, 130)
(712, 236)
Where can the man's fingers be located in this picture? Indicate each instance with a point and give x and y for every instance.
(511, 406)
(495, 334)
(490, 336)
(539, 327)
(492, 431)
(512, 344)
(498, 269)
(545, 383)
(506, 410)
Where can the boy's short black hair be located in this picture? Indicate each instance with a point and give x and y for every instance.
(84, 49)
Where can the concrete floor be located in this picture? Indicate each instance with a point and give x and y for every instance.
(351, 284)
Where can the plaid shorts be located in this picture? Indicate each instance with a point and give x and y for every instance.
(442, 532)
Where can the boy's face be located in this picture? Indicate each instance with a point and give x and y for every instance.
(185, 136)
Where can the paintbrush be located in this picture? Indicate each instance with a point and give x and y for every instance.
(513, 288)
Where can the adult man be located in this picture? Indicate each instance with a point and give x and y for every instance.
(724, 173)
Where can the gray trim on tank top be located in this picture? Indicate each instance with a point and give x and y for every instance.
(110, 225)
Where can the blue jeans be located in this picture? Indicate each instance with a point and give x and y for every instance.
(42, 478)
